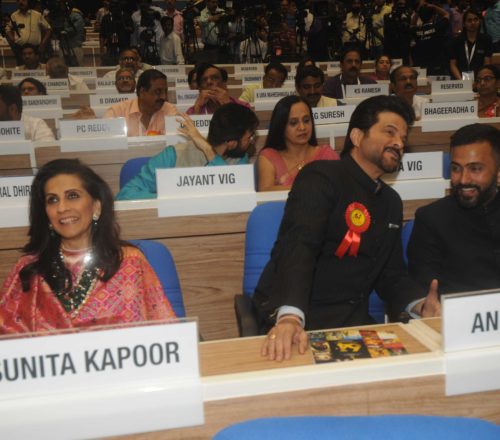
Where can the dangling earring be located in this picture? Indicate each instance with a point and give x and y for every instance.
(51, 231)
(95, 218)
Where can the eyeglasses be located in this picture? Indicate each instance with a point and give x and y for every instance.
(485, 79)
(128, 58)
(124, 78)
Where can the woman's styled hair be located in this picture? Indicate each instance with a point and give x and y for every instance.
(45, 243)
(279, 120)
(42, 90)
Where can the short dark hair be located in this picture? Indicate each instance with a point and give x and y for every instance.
(494, 69)
(166, 18)
(304, 60)
(191, 73)
(351, 49)
(279, 119)
(365, 115)
(306, 71)
(470, 134)
(203, 67)
(39, 85)
(57, 68)
(280, 68)
(105, 233)
(393, 74)
(230, 122)
(10, 94)
(146, 78)
(29, 46)
(471, 11)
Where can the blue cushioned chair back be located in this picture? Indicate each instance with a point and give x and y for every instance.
(405, 238)
(446, 165)
(386, 427)
(164, 266)
(131, 168)
(262, 229)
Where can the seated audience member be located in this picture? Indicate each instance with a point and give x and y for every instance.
(76, 272)
(290, 145)
(211, 81)
(30, 57)
(31, 87)
(170, 44)
(56, 69)
(404, 85)
(192, 79)
(334, 245)
(487, 82)
(275, 75)
(306, 61)
(471, 49)
(125, 80)
(11, 109)
(382, 68)
(350, 68)
(456, 239)
(145, 114)
(127, 58)
(230, 135)
(141, 64)
(309, 83)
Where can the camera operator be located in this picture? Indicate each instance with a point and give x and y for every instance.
(27, 26)
(147, 30)
(176, 15)
(397, 36)
(116, 28)
(354, 26)
(209, 19)
(379, 11)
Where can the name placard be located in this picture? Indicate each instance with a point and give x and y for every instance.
(333, 65)
(12, 130)
(186, 96)
(418, 166)
(83, 72)
(181, 82)
(106, 83)
(240, 69)
(451, 86)
(333, 115)
(57, 84)
(201, 122)
(37, 73)
(448, 110)
(439, 78)
(125, 380)
(93, 134)
(357, 90)
(273, 94)
(205, 190)
(252, 79)
(14, 200)
(171, 70)
(45, 107)
(108, 100)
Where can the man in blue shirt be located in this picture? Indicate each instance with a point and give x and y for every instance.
(230, 134)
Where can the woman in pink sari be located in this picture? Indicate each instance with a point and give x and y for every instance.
(290, 145)
(76, 272)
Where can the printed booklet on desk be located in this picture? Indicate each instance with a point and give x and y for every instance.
(347, 345)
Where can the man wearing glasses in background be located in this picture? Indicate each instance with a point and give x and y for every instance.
(128, 58)
(275, 75)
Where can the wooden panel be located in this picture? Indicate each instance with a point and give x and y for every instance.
(17, 163)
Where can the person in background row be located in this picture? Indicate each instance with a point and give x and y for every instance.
(211, 82)
(306, 61)
(487, 82)
(170, 44)
(30, 57)
(75, 271)
(350, 68)
(230, 134)
(382, 68)
(193, 85)
(125, 80)
(275, 75)
(397, 35)
(492, 23)
(31, 87)
(404, 85)
(56, 68)
(172, 12)
(72, 34)
(290, 145)
(101, 12)
(11, 109)
(128, 58)
(471, 49)
(145, 114)
(309, 82)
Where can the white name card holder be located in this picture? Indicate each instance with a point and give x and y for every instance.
(36, 73)
(443, 116)
(245, 69)
(93, 134)
(471, 341)
(103, 382)
(205, 190)
(84, 72)
(100, 103)
(252, 79)
(57, 86)
(202, 123)
(396, 62)
(43, 106)
(333, 115)
(13, 141)
(451, 91)
(427, 165)
(181, 82)
(266, 99)
(432, 78)
(355, 93)
(14, 200)
(106, 85)
(186, 96)
(172, 70)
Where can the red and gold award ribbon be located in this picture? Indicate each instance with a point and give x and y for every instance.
(358, 221)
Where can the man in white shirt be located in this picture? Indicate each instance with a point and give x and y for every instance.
(404, 85)
(176, 15)
(209, 19)
(127, 58)
(56, 69)
(11, 109)
(170, 44)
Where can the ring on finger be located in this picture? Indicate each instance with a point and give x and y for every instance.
(272, 336)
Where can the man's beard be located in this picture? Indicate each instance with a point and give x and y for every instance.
(482, 197)
(386, 165)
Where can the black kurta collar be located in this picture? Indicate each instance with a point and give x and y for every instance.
(370, 185)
